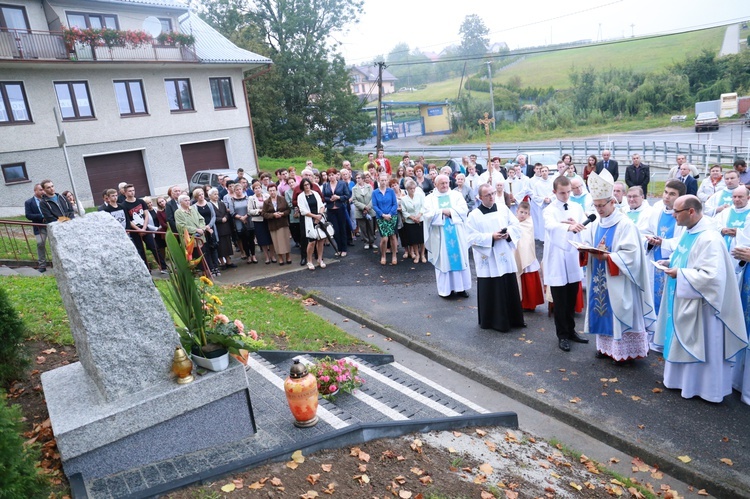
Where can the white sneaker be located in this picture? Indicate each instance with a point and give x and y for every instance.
(367, 246)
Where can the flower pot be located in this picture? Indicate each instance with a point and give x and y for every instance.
(215, 360)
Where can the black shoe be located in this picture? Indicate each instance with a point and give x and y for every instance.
(578, 338)
(564, 345)
(464, 294)
(600, 355)
(303, 262)
(232, 265)
(350, 243)
(42, 270)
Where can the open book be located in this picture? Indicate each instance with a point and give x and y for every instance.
(590, 249)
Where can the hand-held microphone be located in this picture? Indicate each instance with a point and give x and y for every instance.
(590, 219)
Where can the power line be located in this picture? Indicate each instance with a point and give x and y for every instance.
(544, 50)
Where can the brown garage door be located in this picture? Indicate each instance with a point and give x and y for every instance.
(108, 170)
(204, 156)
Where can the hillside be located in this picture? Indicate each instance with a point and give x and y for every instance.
(543, 70)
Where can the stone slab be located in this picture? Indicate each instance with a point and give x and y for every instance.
(216, 424)
(82, 421)
(123, 333)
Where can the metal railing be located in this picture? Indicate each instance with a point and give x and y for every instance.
(45, 45)
(18, 244)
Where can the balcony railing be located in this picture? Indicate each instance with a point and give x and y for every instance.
(44, 45)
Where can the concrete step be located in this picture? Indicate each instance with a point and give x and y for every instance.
(393, 401)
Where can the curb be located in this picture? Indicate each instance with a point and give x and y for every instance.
(623, 443)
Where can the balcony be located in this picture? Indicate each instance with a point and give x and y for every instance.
(50, 46)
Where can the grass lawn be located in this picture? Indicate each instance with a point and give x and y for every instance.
(553, 68)
(282, 321)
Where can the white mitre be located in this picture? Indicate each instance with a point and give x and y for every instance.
(601, 185)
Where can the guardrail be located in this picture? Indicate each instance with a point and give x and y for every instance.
(18, 243)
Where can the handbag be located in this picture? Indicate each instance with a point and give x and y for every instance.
(324, 228)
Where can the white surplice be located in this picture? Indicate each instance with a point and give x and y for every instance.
(541, 190)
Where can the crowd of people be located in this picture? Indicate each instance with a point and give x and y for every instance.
(666, 278)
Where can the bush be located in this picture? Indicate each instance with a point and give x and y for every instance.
(13, 355)
(19, 476)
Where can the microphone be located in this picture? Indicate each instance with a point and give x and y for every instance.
(590, 219)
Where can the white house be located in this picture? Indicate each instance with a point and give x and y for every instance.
(150, 114)
(365, 82)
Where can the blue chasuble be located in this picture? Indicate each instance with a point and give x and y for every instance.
(600, 312)
(678, 260)
(450, 237)
(634, 216)
(665, 230)
(735, 221)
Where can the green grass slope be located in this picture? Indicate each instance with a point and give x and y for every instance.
(553, 68)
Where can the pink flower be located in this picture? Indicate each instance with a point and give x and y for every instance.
(253, 334)
(336, 369)
(240, 325)
(333, 388)
(325, 379)
(221, 318)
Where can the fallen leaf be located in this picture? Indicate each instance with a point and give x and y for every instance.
(451, 450)
(480, 479)
(702, 492)
(275, 481)
(389, 338)
(726, 461)
(297, 457)
(481, 433)
(657, 390)
(657, 475)
(516, 355)
(641, 426)
(310, 494)
(292, 465)
(326, 467)
(49, 351)
(313, 479)
(725, 439)
(544, 464)
(529, 374)
(417, 471)
(425, 479)
(684, 459)
(509, 494)
(330, 489)
(618, 391)
(404, 494)
(490, 445)
(362, 468)
(487, 495)
(228, 487)
(364, 456)
(576, 486)
(635, 493)
(255, 486)
(485, 468)
(614, 460)
(635, 397)
(40, 360)
(238, 482)
(541, 390)
(574, 400)
(457, 434)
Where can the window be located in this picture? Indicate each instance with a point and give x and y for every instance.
(15, 173)
(13, 17)
(89, 20)
(74, 100)
(166, 24)
(14, 108)
(221, 91)
(178, 95)
(130, 97)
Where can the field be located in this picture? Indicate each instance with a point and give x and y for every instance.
(553, 68)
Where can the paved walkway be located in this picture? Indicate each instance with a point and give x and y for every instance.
(627, 408)
(731, 44)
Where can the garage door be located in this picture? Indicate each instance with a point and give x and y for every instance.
(204, 156)
(108, 170)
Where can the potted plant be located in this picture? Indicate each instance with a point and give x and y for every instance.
(174, 38)
(335, 376)
(204, 331)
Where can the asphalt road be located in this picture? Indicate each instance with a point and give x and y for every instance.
(626, 407)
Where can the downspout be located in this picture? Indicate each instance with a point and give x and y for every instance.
(245, 82)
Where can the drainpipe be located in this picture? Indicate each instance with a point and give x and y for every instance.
(245, 81)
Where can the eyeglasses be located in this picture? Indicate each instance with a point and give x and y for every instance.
(600, 206)
(680, 211)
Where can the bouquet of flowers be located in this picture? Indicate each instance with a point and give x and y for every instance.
(335, 375)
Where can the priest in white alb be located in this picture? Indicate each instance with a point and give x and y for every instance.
(492, 231)
(542, 196)
(733, 219)
(701, 326)
(445, 213)
(620, 308)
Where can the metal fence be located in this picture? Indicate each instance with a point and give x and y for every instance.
(18, 243)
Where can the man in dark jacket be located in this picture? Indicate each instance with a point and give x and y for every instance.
(637, 174)
(33, 210)
(52, 205)
(608, 164)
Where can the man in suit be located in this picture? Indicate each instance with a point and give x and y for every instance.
(637, 174)
(34, 214)
(686, 178)
(610, 165)
(527, 170)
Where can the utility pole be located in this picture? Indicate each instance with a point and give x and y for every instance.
(379, 144)
(492, 93)
(632, 31)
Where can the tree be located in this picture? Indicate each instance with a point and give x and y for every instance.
(474, 39)
(305, 100)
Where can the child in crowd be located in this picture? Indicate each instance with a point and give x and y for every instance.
(529, 281)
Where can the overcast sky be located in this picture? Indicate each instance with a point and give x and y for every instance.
(433, 25)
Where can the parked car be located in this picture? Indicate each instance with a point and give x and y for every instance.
(548, 159)
(706, 121)
(210, 177)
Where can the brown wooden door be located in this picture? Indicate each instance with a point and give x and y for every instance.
(108, 170)
(204, 156)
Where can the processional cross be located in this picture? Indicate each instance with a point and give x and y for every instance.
(486, 122)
